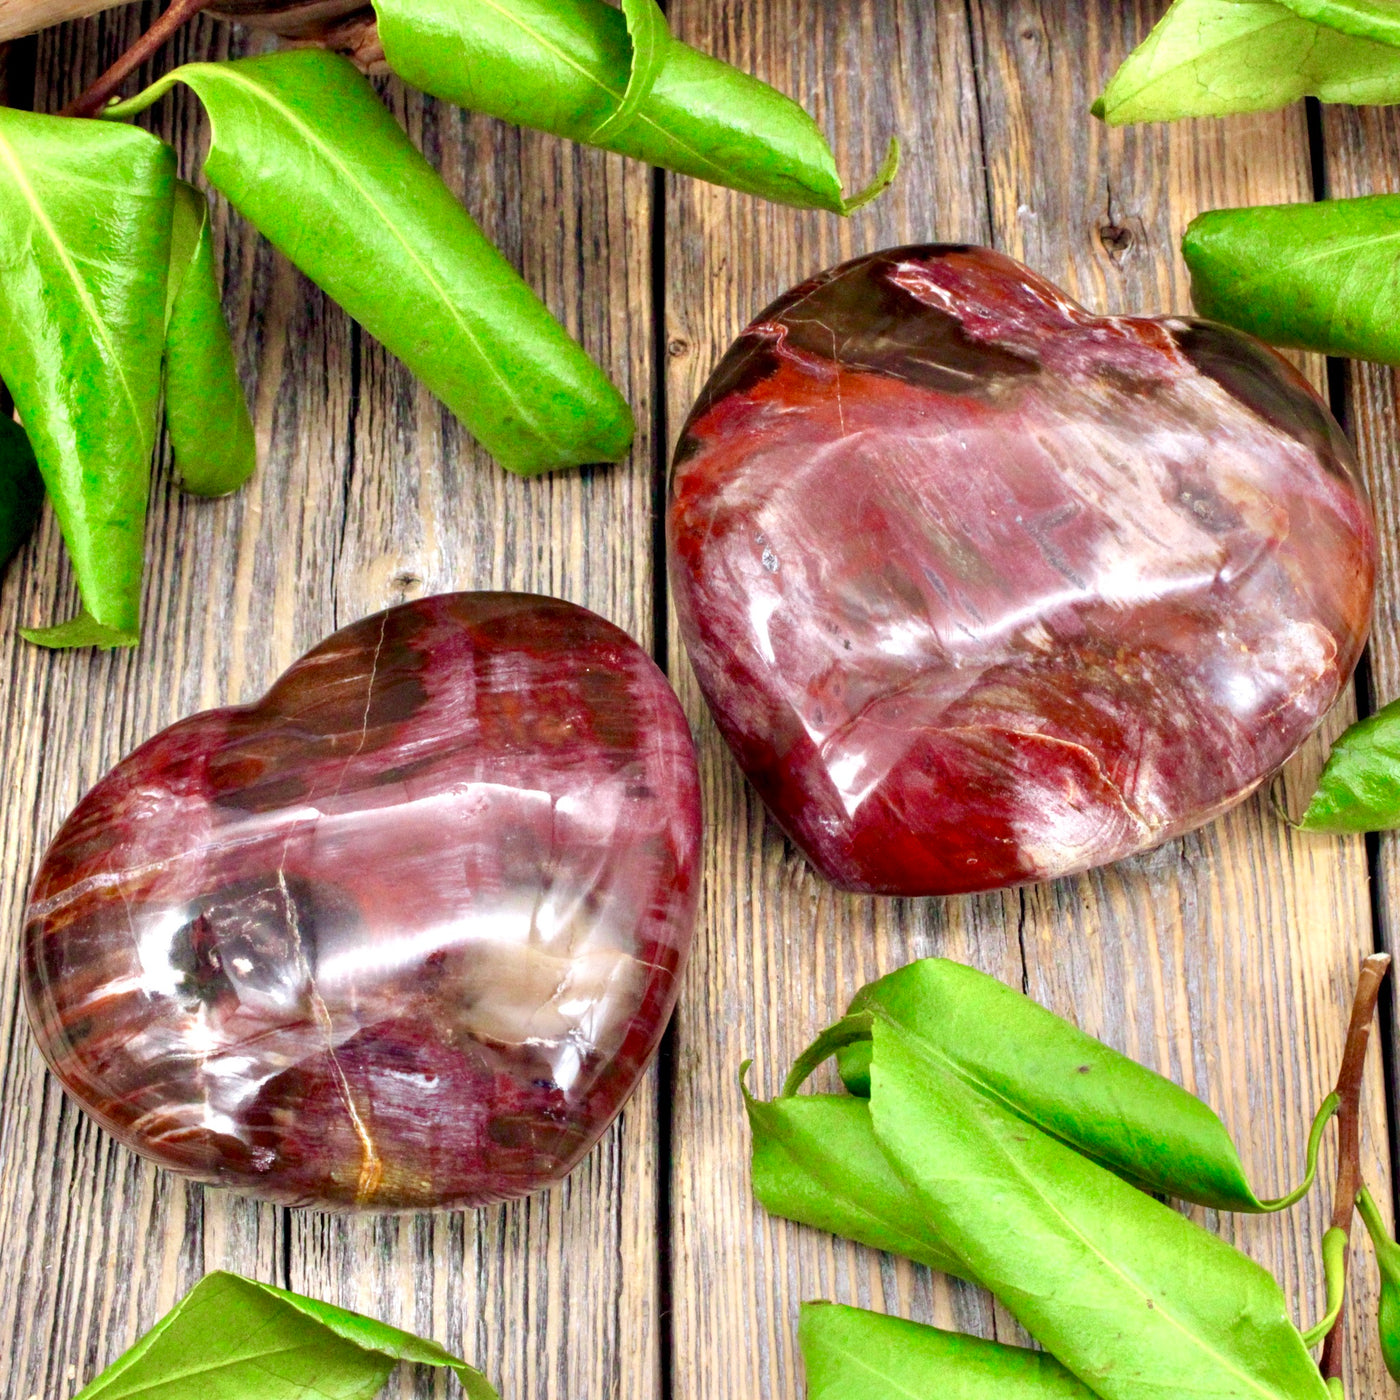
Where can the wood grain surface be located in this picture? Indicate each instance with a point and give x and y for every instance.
(1225, 960)
(367, 493)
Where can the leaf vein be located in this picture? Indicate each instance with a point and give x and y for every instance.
(329, 153)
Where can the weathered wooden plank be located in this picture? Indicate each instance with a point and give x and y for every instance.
(367, 493)
(1226, 959)
(777, 951)
(1361, 148)
(101, 1243)
(557, 1295)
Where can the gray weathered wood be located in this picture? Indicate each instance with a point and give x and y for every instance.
(1225, 960)
(1362, 157)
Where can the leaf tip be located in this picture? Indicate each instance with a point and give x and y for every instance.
(884, 178)
(81, 631)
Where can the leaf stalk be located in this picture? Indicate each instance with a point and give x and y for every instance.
(94, 98)
(1363, 1011)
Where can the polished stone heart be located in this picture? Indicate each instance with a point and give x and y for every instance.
(984, 589)
(401, 935)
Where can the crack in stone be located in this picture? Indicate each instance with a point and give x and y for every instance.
(371, 1166)
(369, 701)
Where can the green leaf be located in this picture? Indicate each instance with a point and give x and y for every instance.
(1207, 58)
(850, 1032)
(21, 489)
(84, 630)
(85, 213)
(1359, 789)
(850, 1354)
(651, 43)
(206, 414)
(1015, 1054)
(816, 1161)
(1136, 1300)
(1388, 1262)
(1368, 19)
(567, 67)
(308, 154)
(230, 1338)
(1323, 276)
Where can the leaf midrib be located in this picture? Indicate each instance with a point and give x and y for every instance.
(1336, 249)
(970, 1079)
(885, 1377)
(1113, 1267)
(328, 153)
(84, 293)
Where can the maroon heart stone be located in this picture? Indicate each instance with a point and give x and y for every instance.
(401, 935)
(985, 589)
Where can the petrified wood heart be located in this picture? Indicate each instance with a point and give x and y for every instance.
(403, 934)
(985, 589)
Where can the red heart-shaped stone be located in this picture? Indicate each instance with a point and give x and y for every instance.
(982, 588)
(401, 935)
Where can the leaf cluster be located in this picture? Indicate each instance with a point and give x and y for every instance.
(986, 1137)
(109, 296)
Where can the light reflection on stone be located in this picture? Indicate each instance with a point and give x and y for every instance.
(403, 934)
(984, 589)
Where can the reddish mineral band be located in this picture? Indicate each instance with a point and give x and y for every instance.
(984, 589)
(403, 934)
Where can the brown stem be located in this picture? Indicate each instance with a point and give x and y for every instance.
(1363, 1011)
(95, 98)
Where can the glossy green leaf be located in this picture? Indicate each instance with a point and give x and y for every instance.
(305, 150)
(1207, 58)
(651, 42)
(1014, 1053)
(206, 413)
(85, 213)
(21, 489)
(1388, 1262)
(850, 1354)
(1133, 1298)
(232, 1339)
(1322, 276)
(816, 1161)
(566, 66)
(1359, 789)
